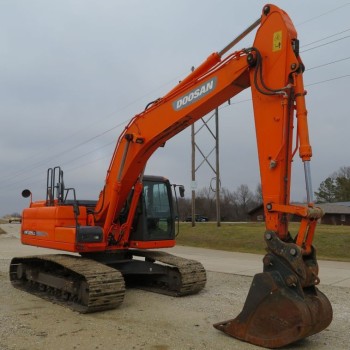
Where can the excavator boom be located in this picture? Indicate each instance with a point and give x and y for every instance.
(283, 304)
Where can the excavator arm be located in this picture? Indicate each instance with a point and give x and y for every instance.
(273, 69)
(161, 121)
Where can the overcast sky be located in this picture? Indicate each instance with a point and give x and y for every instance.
(73, 72)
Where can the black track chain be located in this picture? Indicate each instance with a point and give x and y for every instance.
(190, 273)
(105, 287)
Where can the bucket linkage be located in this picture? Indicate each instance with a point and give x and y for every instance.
(283, 305)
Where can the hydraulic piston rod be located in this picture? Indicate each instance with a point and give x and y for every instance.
(308, 183)
(239, 37)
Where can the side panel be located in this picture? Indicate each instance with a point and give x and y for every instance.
(51, 227)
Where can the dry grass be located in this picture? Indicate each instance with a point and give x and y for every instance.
(332, 242)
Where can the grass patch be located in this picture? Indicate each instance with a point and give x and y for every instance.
(331, 242)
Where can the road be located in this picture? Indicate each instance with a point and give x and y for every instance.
(333, 273)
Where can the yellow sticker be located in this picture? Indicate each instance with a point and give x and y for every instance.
(277, 41)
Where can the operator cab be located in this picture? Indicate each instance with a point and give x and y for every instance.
(154, 219)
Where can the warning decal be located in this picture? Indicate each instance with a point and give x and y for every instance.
(277, 41)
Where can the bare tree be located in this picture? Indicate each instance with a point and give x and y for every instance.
(258, 197)
(205, 202)
(185, 208)
(234, 206)
(343, 171)
(245, 200)
(229, 205)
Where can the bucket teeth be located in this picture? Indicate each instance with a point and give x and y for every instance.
(283, 305)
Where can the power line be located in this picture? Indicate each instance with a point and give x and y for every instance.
(327, 37)
(64, 163)
(87, 153)
(327, 64)
(330, 42)
(38, 175)
(87, 163)
(327, 80)
(42, 161)
(323, 14)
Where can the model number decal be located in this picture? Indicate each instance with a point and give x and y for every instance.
(34, 233)
(195, 94)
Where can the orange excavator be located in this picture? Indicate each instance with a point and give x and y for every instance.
(115, 238)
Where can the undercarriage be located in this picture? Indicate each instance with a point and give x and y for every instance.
(97, 282)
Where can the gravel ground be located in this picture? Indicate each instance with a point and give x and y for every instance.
(146, 320)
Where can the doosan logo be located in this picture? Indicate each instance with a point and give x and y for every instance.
(195, 94)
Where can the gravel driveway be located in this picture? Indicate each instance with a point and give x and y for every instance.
(145, 320)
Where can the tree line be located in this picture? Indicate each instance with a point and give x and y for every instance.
(235, 205)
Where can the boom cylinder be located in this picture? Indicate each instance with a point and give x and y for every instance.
(305, 150)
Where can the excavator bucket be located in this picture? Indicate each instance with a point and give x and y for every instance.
(278, 310)
(274, 315)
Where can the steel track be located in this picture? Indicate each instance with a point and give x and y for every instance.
(85, 285)
(82, 284)
(184, 276)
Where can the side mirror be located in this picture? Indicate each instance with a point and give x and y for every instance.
(182, 191)
(26, 193)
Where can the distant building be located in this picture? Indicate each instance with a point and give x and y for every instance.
(335, 214)
(347, 204)
(257, 214)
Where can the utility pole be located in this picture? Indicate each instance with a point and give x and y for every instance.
(217, 168)
(205, 159)
(193, 167)
(193, 183)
